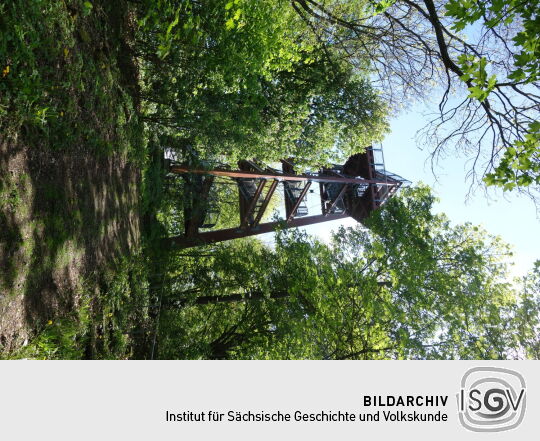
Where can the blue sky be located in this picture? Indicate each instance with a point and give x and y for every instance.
(508, 215)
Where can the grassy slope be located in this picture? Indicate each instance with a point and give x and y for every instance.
(71, 154)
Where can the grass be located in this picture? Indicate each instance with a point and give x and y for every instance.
(72, 155)
(62, 80)
(64, 339)
(110, 326)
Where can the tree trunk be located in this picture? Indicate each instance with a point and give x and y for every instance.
(228, 298)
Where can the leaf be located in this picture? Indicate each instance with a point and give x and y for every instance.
(87, 8)
(517, 75)
(172, 24)
(491, 82)
(509, 186)
(478, 93)
(489, 179)
(534, 126)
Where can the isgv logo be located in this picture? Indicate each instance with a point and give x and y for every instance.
(491, 399)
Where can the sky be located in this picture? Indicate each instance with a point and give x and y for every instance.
(510, 216)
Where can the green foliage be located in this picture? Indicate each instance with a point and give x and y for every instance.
(413, 286)
(496, 12)
(474, 72)
(527, 332)
(380, 7)
(58, 84)
(62, 339)
(519, 166)
(87, 8)
(246, 79)
(68, 105)
(237, 79)
(121, 314)
(452, 281)
(110, 326)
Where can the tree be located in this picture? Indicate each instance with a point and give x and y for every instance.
(412, 286)
(527, 330)
(241, 79)
(489, 104)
